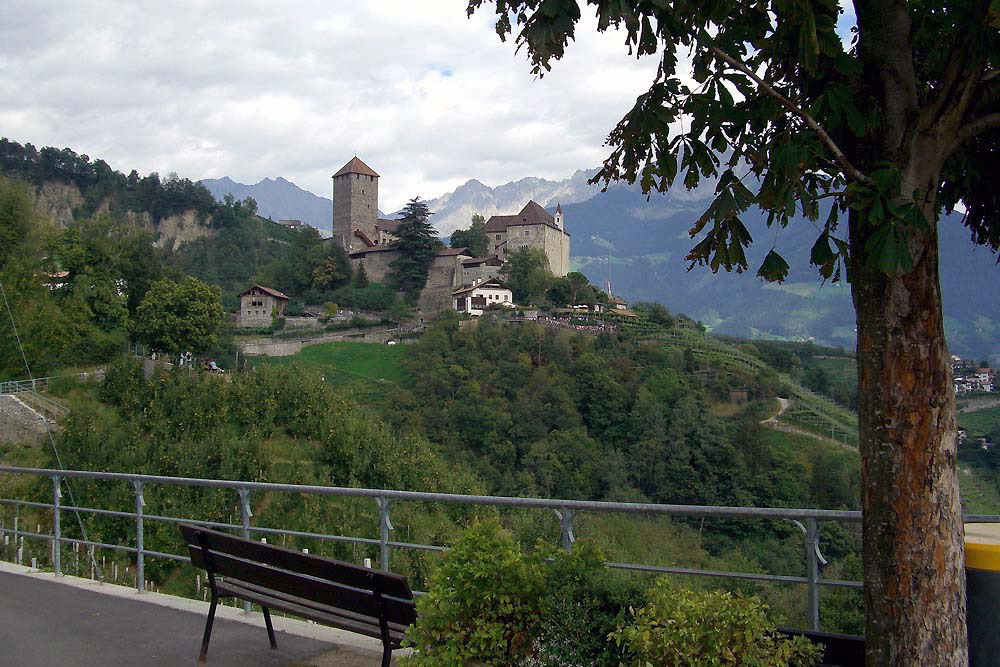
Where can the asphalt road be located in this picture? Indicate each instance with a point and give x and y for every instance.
(45, 623)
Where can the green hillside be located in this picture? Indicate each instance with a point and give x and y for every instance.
(980, 423)
(364, 371)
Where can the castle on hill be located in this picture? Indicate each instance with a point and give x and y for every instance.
(369, 239)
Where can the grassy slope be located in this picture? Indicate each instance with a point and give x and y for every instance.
(981, 422)
(365, 370)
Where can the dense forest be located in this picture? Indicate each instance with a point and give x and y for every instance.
(540, 411)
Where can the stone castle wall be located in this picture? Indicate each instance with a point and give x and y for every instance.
(556, 246)
(376, 264)
(553, 242)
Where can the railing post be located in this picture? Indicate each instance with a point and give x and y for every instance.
(812, 571)
(140, 572)
(566, 528)
(56, 527)
(384, 526)
(245, 514)
(17, 535)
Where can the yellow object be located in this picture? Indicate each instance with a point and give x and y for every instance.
(982, 546)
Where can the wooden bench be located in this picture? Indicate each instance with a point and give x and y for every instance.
(331, 592)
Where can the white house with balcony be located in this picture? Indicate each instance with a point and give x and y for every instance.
(482, 294)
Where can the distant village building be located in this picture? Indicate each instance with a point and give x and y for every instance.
(291, 224)
(358, 229)
(968, 377)
(258, 305)
(476, 298)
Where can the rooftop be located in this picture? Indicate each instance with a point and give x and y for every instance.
(48, 620)
(356, 166)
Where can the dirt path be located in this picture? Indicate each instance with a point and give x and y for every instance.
(773, 423)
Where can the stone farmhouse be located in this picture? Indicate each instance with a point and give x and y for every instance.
(258, 305)
(369, 239)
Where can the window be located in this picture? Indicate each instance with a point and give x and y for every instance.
(527, 233)
(498, 237)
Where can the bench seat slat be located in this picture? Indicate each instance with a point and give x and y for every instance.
(302, 611)
(238, 588)
(316, 566)
(323, 592)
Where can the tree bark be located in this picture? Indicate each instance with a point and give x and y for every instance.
(913, 534)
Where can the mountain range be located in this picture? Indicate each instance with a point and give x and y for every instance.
(278, 199)
(640, 243)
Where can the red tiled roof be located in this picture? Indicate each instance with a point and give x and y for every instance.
(356, 166)
(267, 290)
(498, 223)
(531, 214)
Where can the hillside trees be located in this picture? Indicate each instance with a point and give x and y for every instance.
(184, 316)
(894, 127)
(110, 265)
(527, 273)
(15, 218)
(101, 185)
(418, 245)
(474, 238)
(308, 267)
(35, 327)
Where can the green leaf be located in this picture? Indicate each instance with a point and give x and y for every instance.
(887, 250)
(821, 253)
(808, 42)
(774, 268)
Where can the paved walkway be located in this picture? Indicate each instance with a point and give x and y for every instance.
(48, 621)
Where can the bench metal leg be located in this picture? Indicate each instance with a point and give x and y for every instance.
(270, 628)
(386, 655)
(208, 630)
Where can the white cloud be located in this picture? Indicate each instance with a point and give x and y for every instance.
(254, 89)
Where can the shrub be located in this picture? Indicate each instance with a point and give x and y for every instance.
(583, 604)
(330, 309)
(683, 627)
(482, 603)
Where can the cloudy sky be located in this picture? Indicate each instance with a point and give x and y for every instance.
(428, 97)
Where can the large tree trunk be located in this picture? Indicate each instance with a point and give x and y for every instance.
(913, 533)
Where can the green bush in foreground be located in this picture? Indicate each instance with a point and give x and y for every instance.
(682, 627)
(482, 603)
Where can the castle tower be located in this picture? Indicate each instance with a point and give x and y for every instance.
(559, 216)
(355, 203)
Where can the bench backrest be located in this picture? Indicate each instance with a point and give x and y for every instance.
(313, 579)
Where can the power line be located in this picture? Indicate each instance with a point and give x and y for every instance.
(52, 442)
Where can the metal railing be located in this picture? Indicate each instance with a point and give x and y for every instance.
(41, 384)
(807, 521)
(46, 408)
